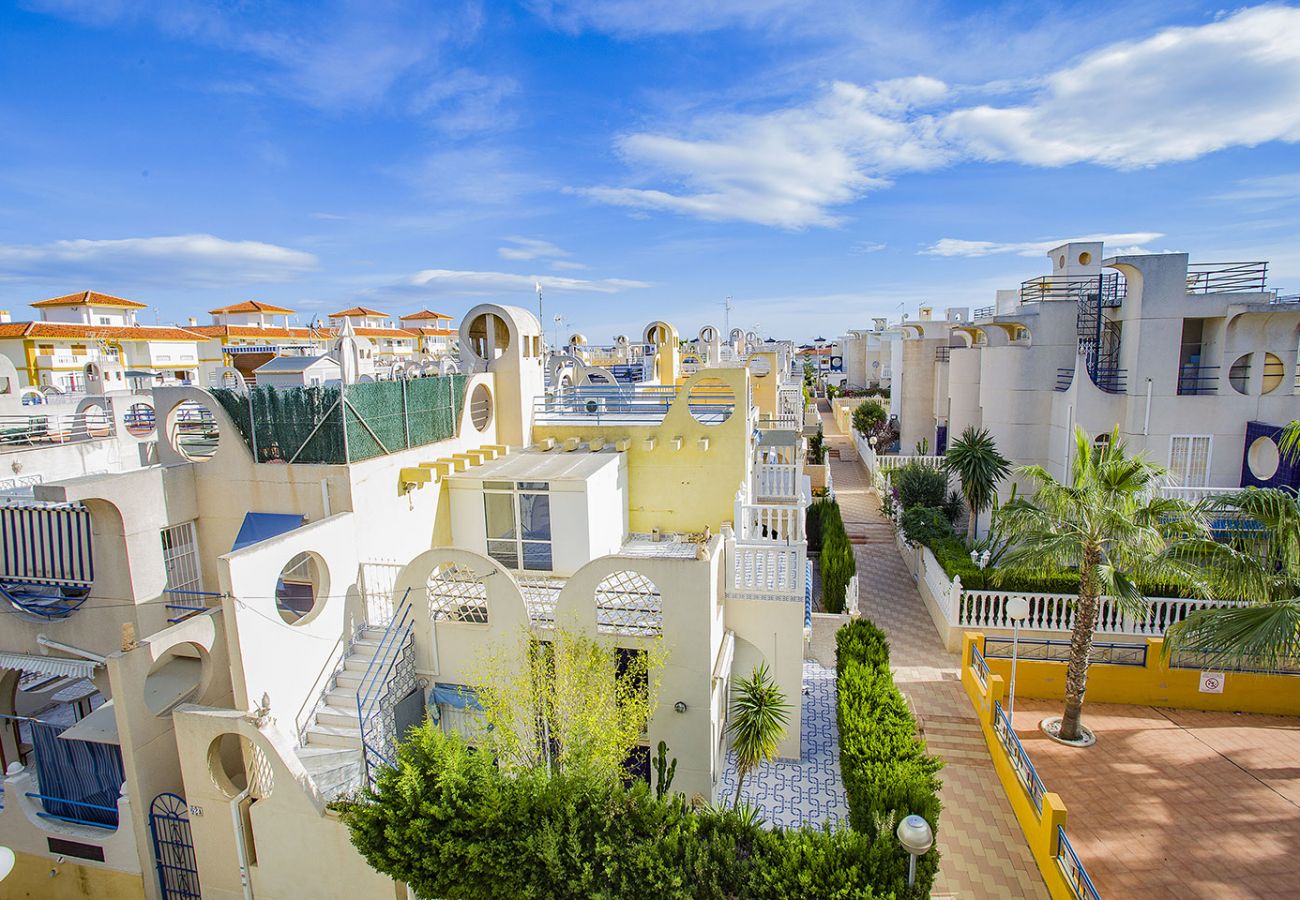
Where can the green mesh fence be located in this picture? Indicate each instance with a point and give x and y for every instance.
(306, 424)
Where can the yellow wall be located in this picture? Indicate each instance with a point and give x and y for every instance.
(1156, 685)
(678, 489)
(1040, 829)
(31, 878)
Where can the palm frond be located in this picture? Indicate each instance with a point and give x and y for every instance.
(1262, 636)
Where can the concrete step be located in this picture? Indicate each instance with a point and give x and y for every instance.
(364, 647)
(342, 697)
(334, 770)
(349, 679)
(321, 735)
(337, 715)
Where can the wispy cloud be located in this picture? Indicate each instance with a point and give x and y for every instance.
(1268, 190)
(455, 281)
(568, 265)
(959, 247)
(862, 248)
(1177, 95)
(186, 260)
(530, 248)
(635, 18)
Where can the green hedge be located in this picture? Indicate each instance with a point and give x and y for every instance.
(886, 771)
(835, 562)
(448, 823)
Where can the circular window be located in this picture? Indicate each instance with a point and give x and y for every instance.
(1263, 458)
(480, 407)
(759, 366)
(192, 431)
(236, 764)
(1060, 261)
(1085, 258)
(1274, 369)
(489, 336)
(299, 589)
(711, 401)
(175, 678)
(139, 419)
(1239, 374)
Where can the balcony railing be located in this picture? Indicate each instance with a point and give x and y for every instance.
(942, 354)
(1227, 278)
(1112, 381)
(1108, 288)
(1064, 378)
(1197, 380)
(57, 428)
(984, 312)
(629, 405)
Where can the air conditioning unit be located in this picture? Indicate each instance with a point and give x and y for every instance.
(594, 406)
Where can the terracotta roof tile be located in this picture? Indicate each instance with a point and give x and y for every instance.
(252, 331)
(251, 306)
(424, 314)
(357, 311)
(98, 332)
(89, 298)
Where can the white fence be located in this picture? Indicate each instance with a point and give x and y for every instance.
(1195, 494)
(377, 581)
(770, 522)
(773, 480)
(766, 571)
(955, 608)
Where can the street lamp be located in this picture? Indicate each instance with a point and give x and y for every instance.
(1017, 610)
(916, 837)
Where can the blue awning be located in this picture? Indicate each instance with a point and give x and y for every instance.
(455, 695)
(260, 526)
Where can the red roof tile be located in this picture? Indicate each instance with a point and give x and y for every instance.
(89, 298)
(356, 311)
(251, 306)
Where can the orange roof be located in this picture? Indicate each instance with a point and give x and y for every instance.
(436, 332)
(424, 314)
(252, 331)
(97, 332)
(251, 306)
(383, 332)
(89, 298)
(357, 311)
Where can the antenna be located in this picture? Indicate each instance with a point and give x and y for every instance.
(726, 316)
(538, 286)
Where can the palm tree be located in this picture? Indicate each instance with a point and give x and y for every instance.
(979, 465)
(759, 713)
(1108, 523)
(1289, 443)
(1260, 564)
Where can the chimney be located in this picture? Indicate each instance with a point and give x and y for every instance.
(193, 321)
(4, 315)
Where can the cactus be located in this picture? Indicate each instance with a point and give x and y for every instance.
(665, 770)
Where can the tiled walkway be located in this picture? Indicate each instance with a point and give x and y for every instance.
(984, 854)
(807, 791)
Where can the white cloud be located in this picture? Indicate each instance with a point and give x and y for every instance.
(1177, 95)
(1271, 190)
(568, 265)
(198, 260)
(634, 18)
(530, 248)
(959, 247)
(862, 248)
(786, 168)
(454, 281)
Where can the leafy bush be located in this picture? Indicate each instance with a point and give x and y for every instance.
(869, 416)
(836, 562)
(919, 485)
(886, 770)
(448, 823)
(926, 525)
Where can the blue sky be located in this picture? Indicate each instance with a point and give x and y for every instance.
(820, 161)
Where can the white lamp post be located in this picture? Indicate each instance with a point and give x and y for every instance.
(1017, 611)
(917, 838)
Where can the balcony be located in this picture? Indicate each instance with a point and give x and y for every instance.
(632, 405)
(1195, 381)
(984, 312)
(1109, 288)
(1227, 278)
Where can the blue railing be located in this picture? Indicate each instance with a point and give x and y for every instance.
(1112, 381)
(1076, 876)
(44, 798)
(1064, 378)
(807, 593)
(371, 689)
(980, 666)
(1020, 761)
(1039, 649)
(1196, 380)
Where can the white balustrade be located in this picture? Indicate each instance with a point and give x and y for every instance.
(1195, 494)
(770, 522)
(895, 460)
(766, 571)
(1055, 612)
(776, 480)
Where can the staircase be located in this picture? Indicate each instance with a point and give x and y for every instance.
(331, 750)
(958, 740)
(869, 532)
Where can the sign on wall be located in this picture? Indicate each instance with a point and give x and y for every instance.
(1211, 682)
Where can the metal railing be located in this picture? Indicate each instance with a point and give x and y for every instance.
(54, 428)
(1281, 299)
(1020, 760)
(1227, 278)
(630, 405)
(984, 312)
(980, 667)
(1196, 380)
(1064, 378)
(1076, 876)
(1039, 649)
(1109, 289)
(942, 354)
(1210, 659)
(1112, 381)
(371, 690)
(182, 611)
(75, 820)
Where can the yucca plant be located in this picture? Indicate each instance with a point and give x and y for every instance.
(759, 714)
(976, 461)
(1109, 523)
(1260, 564)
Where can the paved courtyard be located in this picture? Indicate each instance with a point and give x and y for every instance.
(1175, 803)
(808, 791)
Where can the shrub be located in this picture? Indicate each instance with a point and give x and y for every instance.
(868, 416)
(919, 485)
(817, 448)
(886, 770)
(926, 525)
(836, 562)
(448, 823)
